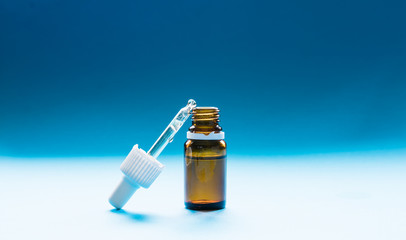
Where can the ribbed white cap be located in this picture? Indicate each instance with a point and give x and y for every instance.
(140, 170)
(140, 167)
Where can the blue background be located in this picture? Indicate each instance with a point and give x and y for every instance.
(312, 99)
(92, 78)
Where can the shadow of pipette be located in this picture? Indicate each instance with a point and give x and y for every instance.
(137, 217)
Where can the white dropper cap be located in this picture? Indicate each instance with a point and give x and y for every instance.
(140, 168)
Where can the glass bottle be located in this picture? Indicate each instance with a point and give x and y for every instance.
(205, 161)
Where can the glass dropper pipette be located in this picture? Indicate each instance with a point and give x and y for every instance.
(140, 169)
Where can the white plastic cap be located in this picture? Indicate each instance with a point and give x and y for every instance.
(140, 170)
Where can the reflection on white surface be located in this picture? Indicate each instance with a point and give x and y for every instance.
(335, 196)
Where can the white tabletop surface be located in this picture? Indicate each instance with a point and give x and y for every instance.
(329, 196)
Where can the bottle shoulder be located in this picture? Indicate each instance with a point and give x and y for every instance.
(193, 142)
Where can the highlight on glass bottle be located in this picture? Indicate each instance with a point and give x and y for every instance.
(205, 161)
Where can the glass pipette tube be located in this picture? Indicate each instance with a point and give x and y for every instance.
(170, 131)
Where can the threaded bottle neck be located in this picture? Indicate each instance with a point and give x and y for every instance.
(205, 114)
(205, 120)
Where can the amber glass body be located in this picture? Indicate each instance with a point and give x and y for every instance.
(205, 164)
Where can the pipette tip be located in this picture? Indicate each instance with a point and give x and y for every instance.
(191, 104)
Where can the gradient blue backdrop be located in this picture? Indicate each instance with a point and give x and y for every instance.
(92, 78)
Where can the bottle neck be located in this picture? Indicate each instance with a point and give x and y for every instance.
(205, 120)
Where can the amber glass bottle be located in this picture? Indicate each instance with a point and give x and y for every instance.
(205, 161)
